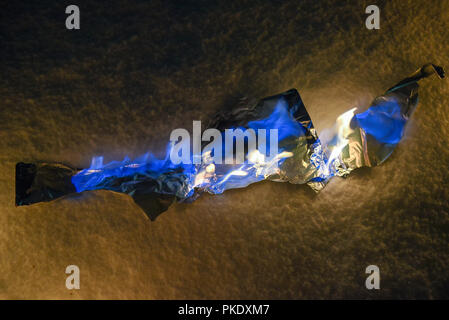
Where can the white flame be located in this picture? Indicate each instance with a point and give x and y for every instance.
(339, 141)
(258, 162)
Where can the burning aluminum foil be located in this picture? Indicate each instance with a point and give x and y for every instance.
(364, 139)
(372, 135)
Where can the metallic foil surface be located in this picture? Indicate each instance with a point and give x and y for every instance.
(357, 140)
(372, 135)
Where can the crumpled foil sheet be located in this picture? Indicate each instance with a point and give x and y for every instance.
(377, 131)
(368, 139)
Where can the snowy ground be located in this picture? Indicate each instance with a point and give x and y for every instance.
(135, 71)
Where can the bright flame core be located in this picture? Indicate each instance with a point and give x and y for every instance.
(339, 142)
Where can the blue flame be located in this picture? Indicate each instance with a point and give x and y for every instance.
(385, 121)
(97, 174)
(239, 176)
(282, 120)
(223, 177)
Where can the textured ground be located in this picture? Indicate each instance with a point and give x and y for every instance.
(135, 71)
